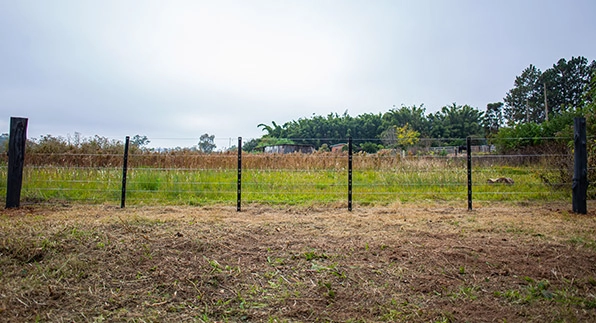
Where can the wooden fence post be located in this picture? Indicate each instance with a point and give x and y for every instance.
(16, 160)
(580, 168)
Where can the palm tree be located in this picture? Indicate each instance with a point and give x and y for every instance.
(276, 131)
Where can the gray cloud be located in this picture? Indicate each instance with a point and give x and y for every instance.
(180, 69)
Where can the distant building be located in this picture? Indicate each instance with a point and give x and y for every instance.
(337, 148)
(289, 148)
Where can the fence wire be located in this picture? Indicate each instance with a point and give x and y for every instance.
(384, 177)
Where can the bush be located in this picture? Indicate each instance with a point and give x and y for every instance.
(370, 147)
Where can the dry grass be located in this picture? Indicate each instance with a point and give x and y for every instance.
(417, 263)
(188, 159)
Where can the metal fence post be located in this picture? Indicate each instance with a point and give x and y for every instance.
(124, 171)
(580, 167)
(239, 183)
(16, 160)
(469, 153)
(349, 173)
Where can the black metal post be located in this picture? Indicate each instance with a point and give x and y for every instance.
(469, 153)
(349, 173)
(239, 184)
(580, 168)
(16, 160)
(124, 171)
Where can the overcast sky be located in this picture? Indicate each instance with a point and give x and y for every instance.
(178, 69)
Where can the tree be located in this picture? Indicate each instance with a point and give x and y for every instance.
(206, 143)
(330, 129)
(537, 96)
(414, 116)
(566, 82)
(590, 93)
(525, 103)
(370, 147)
(493, 118)
(456, 122)
(406, 137)
(402, 137)
(250, 145)
(324, 148)
(76, 140)
(276, 131)
(366, 126)
(139, 141)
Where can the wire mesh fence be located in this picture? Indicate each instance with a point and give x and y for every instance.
(431, 173)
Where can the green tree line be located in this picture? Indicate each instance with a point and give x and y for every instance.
(451, 123)
(543, 105)
(540, 104)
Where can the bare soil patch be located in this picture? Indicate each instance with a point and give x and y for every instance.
(415, 263)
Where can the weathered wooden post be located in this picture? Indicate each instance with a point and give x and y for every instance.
(580, 168)
(16, 160)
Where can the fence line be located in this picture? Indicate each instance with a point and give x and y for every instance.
(196, 179)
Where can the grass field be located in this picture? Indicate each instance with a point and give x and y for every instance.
(290, 180)
(436, 262)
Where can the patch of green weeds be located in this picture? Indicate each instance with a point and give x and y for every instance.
(465, 292)
(543, 291)
(275, 261)
(215, 266)
(328, 289)
(331, 269)
(583, 242)
(444, 319)
(518, 229)
(398, 310)
(392, 316)
(314, 255)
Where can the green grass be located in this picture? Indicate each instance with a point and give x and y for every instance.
(410, 183)
(541, 291)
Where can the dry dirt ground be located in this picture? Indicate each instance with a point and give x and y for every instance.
(413, 263)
